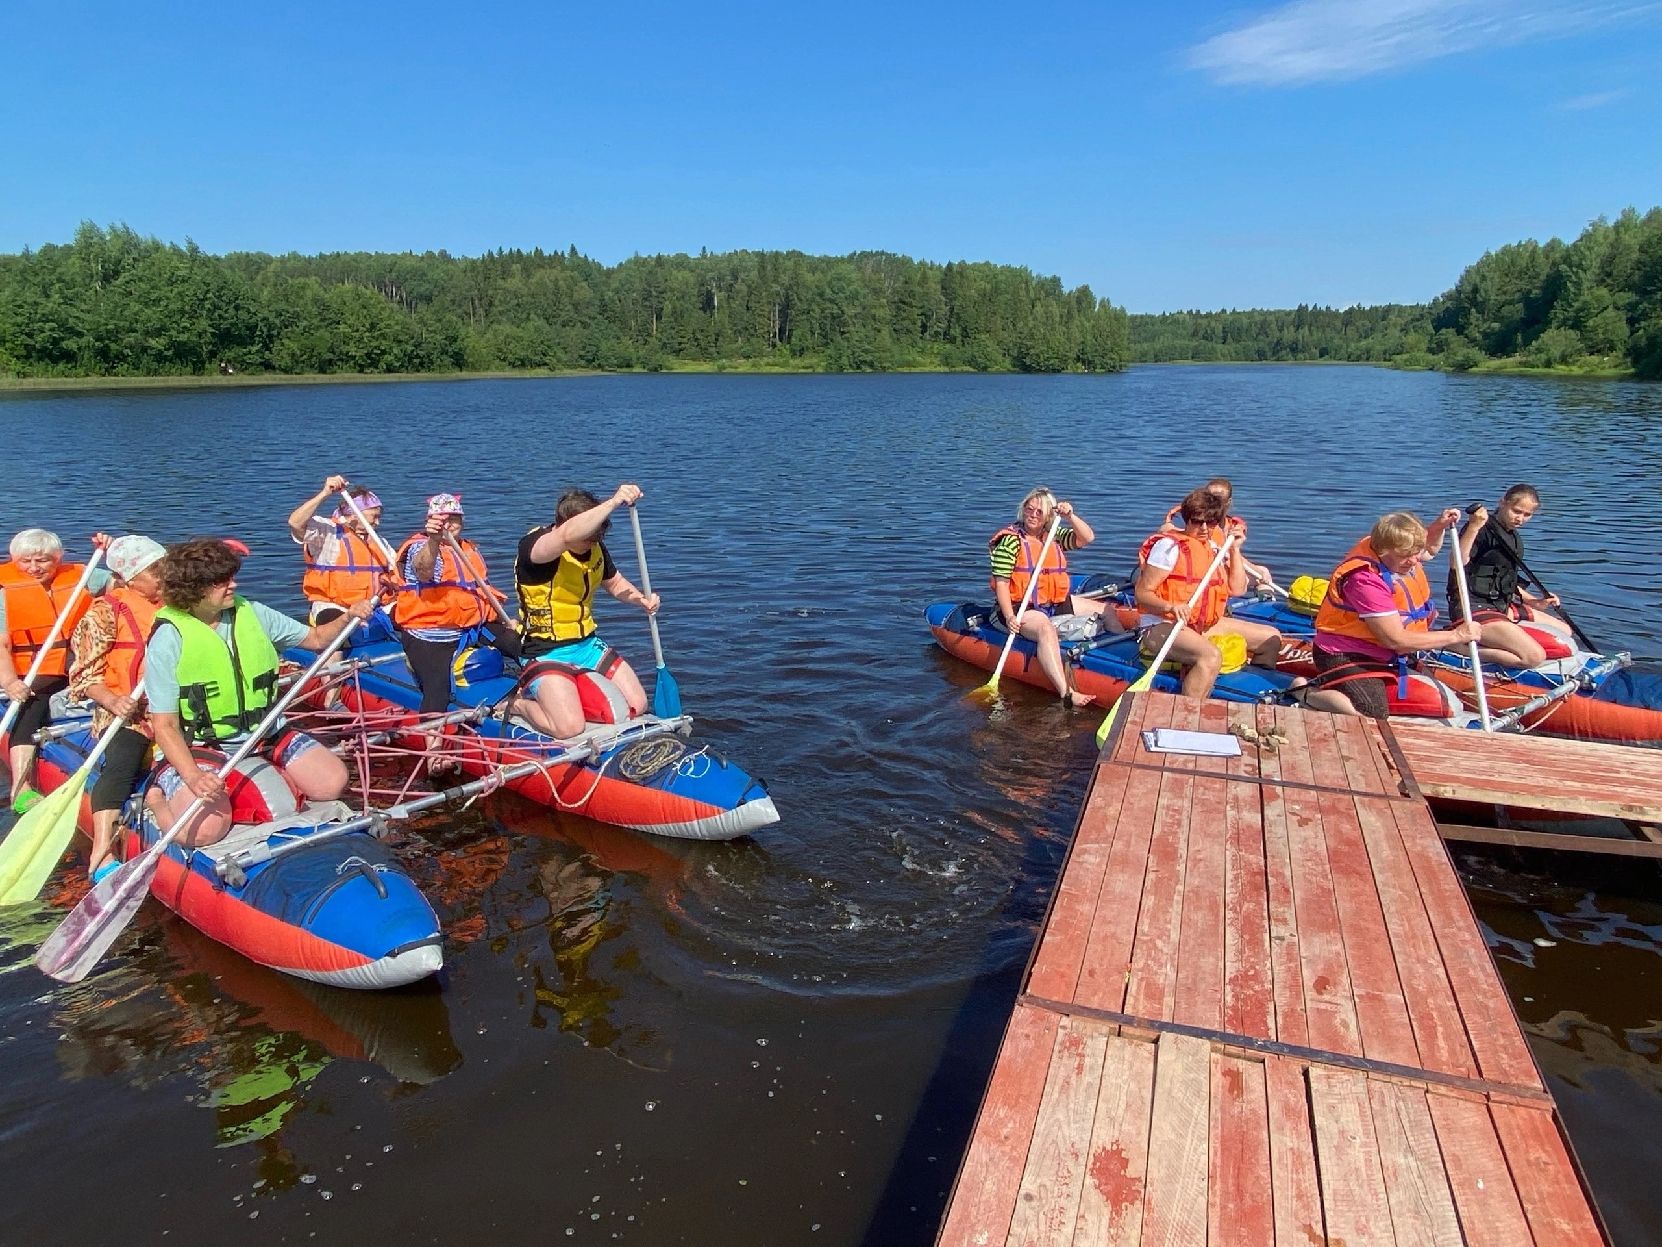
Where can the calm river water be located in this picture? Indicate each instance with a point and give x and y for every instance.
(782, 1040)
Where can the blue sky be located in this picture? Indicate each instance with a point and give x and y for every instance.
(1170, 155)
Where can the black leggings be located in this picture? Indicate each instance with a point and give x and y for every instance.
(430, 662)
(37, 709)
(126, 761)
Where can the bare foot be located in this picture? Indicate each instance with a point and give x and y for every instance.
(1076, 698)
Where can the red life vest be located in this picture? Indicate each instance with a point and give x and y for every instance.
(1411, 592)
(31, 610)
(1194, 557)
(1054, 585)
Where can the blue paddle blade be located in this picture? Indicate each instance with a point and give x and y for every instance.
(666, 695)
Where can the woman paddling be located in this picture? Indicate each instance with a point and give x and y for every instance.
(210, 673)
(1378, 613)
(108, 666)
(344, 559)
(1491, 547)
(1014, 553)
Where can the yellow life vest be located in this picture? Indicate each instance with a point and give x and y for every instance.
(559, 608)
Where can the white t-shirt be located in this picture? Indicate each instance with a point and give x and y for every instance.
(1164, 556)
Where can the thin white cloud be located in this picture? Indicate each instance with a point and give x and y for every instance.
(1597, 99)
(1308, 41)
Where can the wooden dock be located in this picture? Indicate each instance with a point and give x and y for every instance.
(1261, 1012)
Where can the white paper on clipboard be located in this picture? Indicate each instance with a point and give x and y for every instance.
(1200, 744)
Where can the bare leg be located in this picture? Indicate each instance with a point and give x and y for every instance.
(629, 684)
(208, 827)
(554, 709)
(22, 761)
(103, 838)
(1036, 627)
(318, 774)
(1198, 657)
(1509, 645)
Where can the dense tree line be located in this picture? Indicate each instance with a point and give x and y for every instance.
(112, 303)
(1592, 303)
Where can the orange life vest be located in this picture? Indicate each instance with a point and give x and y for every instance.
(31, 610)
(455, 599)
(1194, 556)
(1054, 586)
(124, 663)
(353, 576)
(1411, 591)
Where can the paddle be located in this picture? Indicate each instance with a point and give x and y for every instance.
(89, 929)
(666, 694)
(16, 708)
(465, 569)
(1459, 565)
(1563, 614)
(989, 690)
(1145, 681)
(38, 839)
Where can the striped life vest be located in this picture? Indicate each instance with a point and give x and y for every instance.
(455, 598)
(355, 573)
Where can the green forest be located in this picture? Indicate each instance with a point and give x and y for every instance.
(112, 303)
(1594, 304)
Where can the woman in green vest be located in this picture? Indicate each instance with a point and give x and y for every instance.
(210, 672)
(559, 569)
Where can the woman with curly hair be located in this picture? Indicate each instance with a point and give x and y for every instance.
(210, 672)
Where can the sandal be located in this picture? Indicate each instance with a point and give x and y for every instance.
(104, 872)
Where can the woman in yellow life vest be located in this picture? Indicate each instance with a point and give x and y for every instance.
(210, 674)
(344, 561)
(35, 587)
(1013, 554)
(1171, 567)
(559, 569)
(107, 668)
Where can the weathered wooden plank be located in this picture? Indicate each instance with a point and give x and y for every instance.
(1151, 984)
(1486, 1013)
(984, 1198)
(1381, 1012)
(1175, 1202)
(1330, 1010)
(1439, 1032)
(1239, 1182)
(1047, 1202)
(1061, 952)
(1198, 999)
(1422, 1207)
(1347, 1157)
(1552, 1197)
(1108, 947)
(1296, 1192)
(1248, 983)
(1111, 1205)
(1490, 1213)
(1364, 765)
(1286, 961)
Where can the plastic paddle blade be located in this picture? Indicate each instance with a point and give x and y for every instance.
(1142, 684)
(88, 930)
(666, 695)
(38, 840)
(987, 692)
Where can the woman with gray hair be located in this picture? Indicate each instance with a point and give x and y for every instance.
(37, 588)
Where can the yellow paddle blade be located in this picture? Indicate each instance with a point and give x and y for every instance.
(986, 692)
(1142, 684)
(38, 840)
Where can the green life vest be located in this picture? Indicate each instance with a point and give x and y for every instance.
(559, 608)
(224, 690)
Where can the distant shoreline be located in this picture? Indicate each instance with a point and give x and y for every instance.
(251, 380)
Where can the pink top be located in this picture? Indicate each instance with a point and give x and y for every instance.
(1365, 592)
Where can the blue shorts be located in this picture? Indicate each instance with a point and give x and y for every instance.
(590, 653)
(287, 747)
